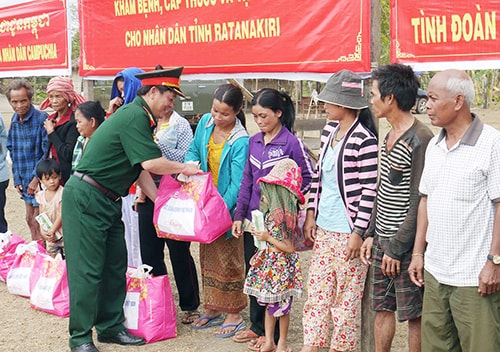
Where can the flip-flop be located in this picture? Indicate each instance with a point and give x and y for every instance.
(237, 327)
(256, 344)
(211, 321)
(190, 317)
(245, 336)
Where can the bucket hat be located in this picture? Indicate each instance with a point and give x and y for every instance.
(288, 174)
(344, 88)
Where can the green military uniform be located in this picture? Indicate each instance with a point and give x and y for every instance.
(94, 240)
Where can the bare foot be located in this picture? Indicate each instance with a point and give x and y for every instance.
(309, 349)
(209, 318)
(232, 324)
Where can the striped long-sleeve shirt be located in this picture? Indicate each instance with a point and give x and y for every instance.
(356, 173)
(397, 196)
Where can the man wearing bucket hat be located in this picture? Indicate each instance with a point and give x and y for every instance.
(96, 255)
(338, 213)
(392, 234)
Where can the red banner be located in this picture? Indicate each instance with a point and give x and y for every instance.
(34, 38)
(225, 36)
(432, 34)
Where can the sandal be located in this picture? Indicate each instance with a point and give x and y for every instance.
(234, 329)
(210, 321)
(245, 336)
(190, 316)
(256, 345)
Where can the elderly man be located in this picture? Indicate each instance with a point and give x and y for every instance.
(27, 143)
(458, 226)
(96, 256)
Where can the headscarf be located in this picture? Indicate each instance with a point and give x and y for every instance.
(63, 85)
(282, 204)
(130, 84)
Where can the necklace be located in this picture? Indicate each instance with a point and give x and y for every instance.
(335, 136)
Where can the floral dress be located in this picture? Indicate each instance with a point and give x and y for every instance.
(274, 276)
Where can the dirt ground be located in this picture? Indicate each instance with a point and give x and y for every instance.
(24, 329)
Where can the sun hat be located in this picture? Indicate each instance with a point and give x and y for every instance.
(288, 174)
(344, 88)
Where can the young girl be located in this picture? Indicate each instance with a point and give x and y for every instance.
(49, 198)
(275, 276)
(274, 114)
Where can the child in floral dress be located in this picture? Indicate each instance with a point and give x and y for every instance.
(275, 275)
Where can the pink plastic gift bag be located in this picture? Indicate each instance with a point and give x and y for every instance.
(18, 278)
(8, 245)
(149, 305)
(190, 211)
(49, 285)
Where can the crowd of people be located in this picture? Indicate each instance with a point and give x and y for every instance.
(418, 213)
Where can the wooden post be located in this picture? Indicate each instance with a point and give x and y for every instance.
(368, 316)
(88, 89)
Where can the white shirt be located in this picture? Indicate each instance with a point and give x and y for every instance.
(461, 183)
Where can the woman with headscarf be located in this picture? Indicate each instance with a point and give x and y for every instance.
(124, 88)
(61, 125)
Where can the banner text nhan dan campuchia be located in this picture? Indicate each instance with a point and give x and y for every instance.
(34, 39)
(441, 34)
(224, 36)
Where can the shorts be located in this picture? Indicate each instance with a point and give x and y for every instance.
(394, 294)
(29, 199)
(278, 309)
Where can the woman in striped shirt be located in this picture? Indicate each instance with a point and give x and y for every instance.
(346, 179)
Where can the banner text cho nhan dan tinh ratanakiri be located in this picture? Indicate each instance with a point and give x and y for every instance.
(452, 31)
(34, 37)
(224, 36)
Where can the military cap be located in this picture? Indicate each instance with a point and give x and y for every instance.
(168, 78)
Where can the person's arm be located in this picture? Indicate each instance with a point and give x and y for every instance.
(162, 166)
(114, 104)
(416, 268)
(237, 159)
(489, 277)
(301, 157)
(365, 252)
(247, 184)
(41, 145)
(57, 224)
(403, 241)
(243, 201)
(10, 146)
(284, 246)
(367, 165)
(147, 185)
(64, 140)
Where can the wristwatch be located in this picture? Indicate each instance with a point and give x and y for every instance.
(494, 258)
